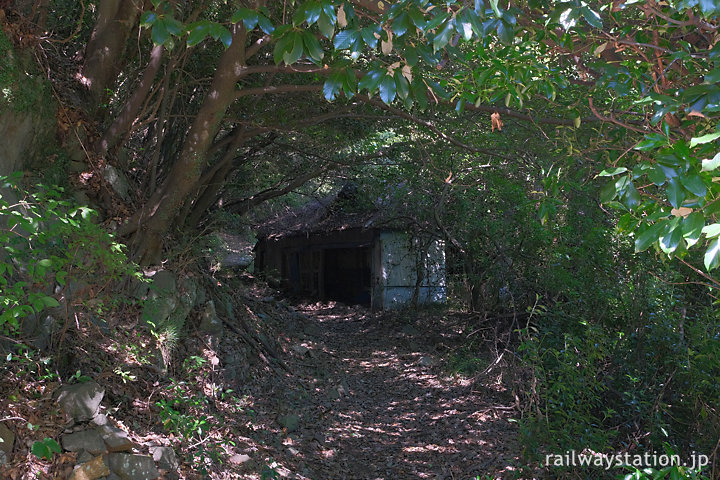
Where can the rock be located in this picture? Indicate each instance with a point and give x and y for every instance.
(132, 467)
(290, 422)
(117, 181)
(91, 470)
(115, 439)
(239, 458)
(165, 457)
(100, 419)
(39, 330)
(7, 440)
(89, 440)
(164, 281)
(236, 260)
(427, 362)
(81, 401)
(210, 323)
(301, 350)
(84, 456)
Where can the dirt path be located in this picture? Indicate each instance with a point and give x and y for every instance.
(372, 400)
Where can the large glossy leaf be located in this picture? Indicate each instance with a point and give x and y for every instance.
(312, 46)
(505, 32)
(248, 17)
(371, 80)
(692, 227)
(370, 35)
(650, 235)
(704, 139)
(387, 89)
(293, 55)
(671, 236)
(198, 32)
(711, 164)
(612, 171)
(345, 38)
(712, 230)
(675, 192)
(694, 184)
(160, 33)
(265, 24)
(656, 175)
(401, 84)
(332, 86)
(712, 255)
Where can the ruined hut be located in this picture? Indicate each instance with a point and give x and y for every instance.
(332, 249)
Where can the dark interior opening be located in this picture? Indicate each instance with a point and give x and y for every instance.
(347, 275)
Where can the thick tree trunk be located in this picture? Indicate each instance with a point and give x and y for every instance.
(106, 48)
(161, 211)
(123, 122)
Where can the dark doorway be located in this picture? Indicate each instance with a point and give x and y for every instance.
(347, 275)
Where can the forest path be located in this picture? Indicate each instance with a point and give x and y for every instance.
(372, 400)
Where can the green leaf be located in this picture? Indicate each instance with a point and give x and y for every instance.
(442, 37)
(387, 89)
(495, 9)
(651, 142)
(281, 46)
(671, 236)
(326, 25)
(160, 34)
(371, 80)
(368, 35)
(292, 56)
(345, 38)
(712, 230)
(219, 32)
(436, 21)
(656, 175)
(592, 17)
(148, 18)
(710, 165)
(694, 184)
(692, 227)
(350, 83)
(312, 11)
(505, 32)
(712, 255)
(608, 192)
(332, 86)
(401, 24)
(675, 192)
(265, 24)
(312, 46)
(417, 18)
(649, 236)
(402, 85)
(248, 17)
(704, 139)
(197, 33)
(612, 171)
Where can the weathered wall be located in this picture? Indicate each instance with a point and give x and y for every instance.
(401, 256)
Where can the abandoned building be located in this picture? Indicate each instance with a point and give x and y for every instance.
(331, 250)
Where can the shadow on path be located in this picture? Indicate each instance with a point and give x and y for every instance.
(375, 403)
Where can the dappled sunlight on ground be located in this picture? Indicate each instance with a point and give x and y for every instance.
(377, 403)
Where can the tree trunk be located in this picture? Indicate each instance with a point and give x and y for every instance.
(106, 48)
(123, 122)
(159, 214)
